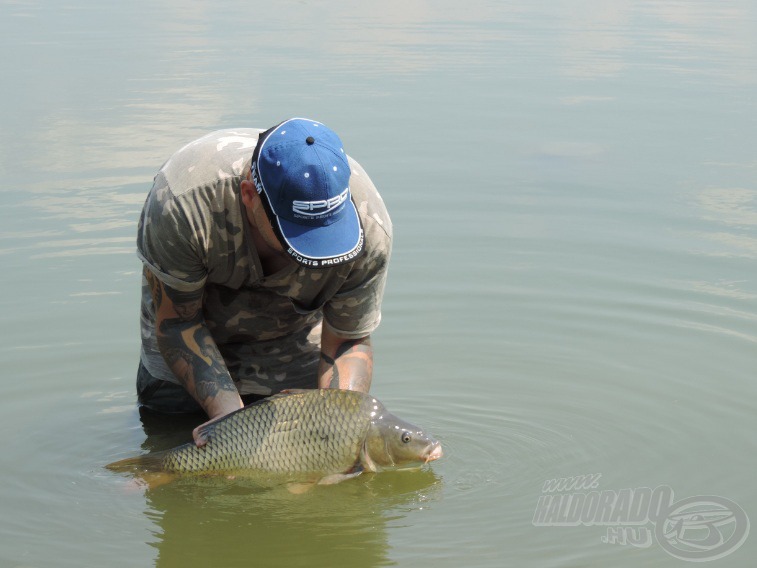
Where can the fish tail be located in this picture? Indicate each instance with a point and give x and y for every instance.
(139, 464)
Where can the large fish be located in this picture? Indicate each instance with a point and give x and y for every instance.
(323, 436)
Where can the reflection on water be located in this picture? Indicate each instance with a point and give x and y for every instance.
(197, 521)
(733, 213)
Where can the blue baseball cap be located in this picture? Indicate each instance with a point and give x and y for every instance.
(301, 172)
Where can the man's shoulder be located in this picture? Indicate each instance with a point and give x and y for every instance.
(214, 157)
(221, 139)
(368, 201)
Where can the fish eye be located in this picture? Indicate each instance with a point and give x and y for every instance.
(406, 437)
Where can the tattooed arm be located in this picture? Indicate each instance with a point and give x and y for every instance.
(345, 363)
(189, 349)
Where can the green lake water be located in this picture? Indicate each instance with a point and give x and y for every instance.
(573, 288)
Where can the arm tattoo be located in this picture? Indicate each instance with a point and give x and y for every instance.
(351, 345)
(351, 367)
(215, 378)
(334, 381)
(187, 345)
(155, 288)
(188, 305)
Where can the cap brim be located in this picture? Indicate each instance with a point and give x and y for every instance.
(336, 243)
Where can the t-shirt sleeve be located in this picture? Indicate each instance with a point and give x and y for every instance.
(166, 242)
(355, 311)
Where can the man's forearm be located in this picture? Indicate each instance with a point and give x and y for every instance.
(191, 353)
(345, 363)
(189, 349)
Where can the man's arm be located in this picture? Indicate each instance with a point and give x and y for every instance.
(345, 363)
(189, 349)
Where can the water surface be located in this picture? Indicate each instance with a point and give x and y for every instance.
(572, 291)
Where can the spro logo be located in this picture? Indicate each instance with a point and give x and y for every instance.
(321, 207)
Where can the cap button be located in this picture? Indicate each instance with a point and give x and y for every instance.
(310, 140)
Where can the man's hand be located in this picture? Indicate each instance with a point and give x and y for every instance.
(189, 349)
(345, 363)
(198, 433)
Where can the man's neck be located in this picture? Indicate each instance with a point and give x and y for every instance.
(271, 259)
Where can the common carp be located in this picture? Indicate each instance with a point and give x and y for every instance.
(322, 435)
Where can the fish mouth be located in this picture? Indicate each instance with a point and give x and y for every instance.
(435, 453)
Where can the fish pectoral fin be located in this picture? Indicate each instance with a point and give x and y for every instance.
(335, 478)
(299, 488)
(153, 480)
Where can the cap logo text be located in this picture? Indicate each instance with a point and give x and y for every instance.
(320, 207)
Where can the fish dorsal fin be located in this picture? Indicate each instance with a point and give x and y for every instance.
(288, 392)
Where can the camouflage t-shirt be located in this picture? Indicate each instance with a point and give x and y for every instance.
(193, 234)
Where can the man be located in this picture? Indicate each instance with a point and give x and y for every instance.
(265, 258)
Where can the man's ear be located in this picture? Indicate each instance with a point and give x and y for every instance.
(248, 192)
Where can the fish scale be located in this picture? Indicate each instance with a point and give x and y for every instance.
(313, 431)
